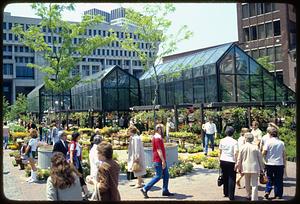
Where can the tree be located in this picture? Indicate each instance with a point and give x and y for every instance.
(19, 109)
(60, 53)
(266, 63)
(6, 109)
(151, 26)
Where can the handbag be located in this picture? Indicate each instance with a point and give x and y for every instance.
(136, 167)
(263, 179)
(220, 179)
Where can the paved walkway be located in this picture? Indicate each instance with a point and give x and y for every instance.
(198, 185)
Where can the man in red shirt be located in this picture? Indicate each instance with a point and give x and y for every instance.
(160, 165)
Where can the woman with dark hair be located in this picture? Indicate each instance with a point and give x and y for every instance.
(108, 175)
(74, 156)
(63, 182)
(228, 156)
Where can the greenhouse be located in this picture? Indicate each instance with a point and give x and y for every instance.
(41, 101)
(223, 73)
(112, 89)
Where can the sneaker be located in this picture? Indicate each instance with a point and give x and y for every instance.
(168, 194)
(144, 193)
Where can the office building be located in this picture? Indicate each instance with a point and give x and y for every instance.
(18, 78)
(269, 29)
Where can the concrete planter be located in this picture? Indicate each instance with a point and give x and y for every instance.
(44, 156)
(171, 154)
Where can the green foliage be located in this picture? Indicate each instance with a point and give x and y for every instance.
(213, 153)
(181, 168)
(263, 116)
(115, 156)
(211, 163)
(123, 166)
(86, 168)
(197, 158)
(182, 135)
(85, 154)
(149, 173)
(181, 150)
(16, 128)
(18, 109)
(235, 117)
(195, 149)
(43, 174)
(6, 109)
(265, 61)
(60, 63)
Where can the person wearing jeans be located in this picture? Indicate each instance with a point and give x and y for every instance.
(210, 133)
(5, 135)
(160, 165)
(274, 152)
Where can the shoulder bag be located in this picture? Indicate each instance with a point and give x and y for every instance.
(220, 178)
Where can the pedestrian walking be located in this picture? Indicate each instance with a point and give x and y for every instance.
(250, 164)
(61, 145)
(160, 164)
(210, 133)
(241, 142)
(274, 152)
(228, 157)
(54, 133)
(136, 157)
(169, 126)
(5, 135)
(63, 183)
(256, 132)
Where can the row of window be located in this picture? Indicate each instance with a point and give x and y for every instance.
(117, 53)
(253, 9)
(24, 72)
(24, 59)
(262, 31)
(8, 69)
(23, 49)
(90, 32)
(274, 53)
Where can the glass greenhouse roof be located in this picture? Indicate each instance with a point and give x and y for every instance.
(203, 57)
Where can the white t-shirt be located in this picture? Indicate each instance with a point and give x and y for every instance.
(94, 161)
(275, 149)
(229, 147)
(264, 140)
(210, 128)
(241, 142)
(5, 131)
(78, 148)
(33, 143)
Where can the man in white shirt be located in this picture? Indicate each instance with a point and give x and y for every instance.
(256, 132)
(169, 126)
(54, 134)
(210, 133)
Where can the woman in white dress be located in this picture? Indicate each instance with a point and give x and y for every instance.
(136, 155)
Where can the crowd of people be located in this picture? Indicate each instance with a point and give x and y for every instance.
(248, 157)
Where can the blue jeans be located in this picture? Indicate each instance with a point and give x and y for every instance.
(159, 172)
(5, 141)
(209, 137)
(275, 178)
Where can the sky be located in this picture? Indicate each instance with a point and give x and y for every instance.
(211, 23)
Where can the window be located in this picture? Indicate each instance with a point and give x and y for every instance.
(4, 25)
(262, 52)
(9, 26)
(269, 30)
(121, 53)
(90, 32)
(4, 36)
(252, 9)
(10, 36)
(112, 53)
(118, 34)
(98, 51)
(24, 72)
(59, 39)
(26, 49)
(103, 52)
(117, 44)
(268, 7)
(99, 32)
(270, 53)
(49, 39)
(8, 69)
(31, 59)
(274, 7)
(260, 8)
(253, 33)
(95, 32)
(9, 48)
(107, 52)
(122, 35)
(75, 71)
(278, 53)
(117, 52)
(75, 40)
(125, 53)
(16, 38)
(16, 48)
(26, 59)
(104, 33)
(261, 31)
(95, 69)
(85, 70)
(276, 25)
(113, 44)
(129, 53)
(21, 49)
(255, 54)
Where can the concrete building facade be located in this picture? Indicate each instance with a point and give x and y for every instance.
(18, 78)
(269, 29)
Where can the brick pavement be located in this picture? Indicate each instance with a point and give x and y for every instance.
(198, 185)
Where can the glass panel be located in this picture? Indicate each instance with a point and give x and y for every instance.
(261, 31)
(198, 71)
(178, 92)
(280, 92)
(276, 26)
(246, 34)
(270, 53)
(170, 94)
(245, 11)
(187, 74)
(262, 52)
(269, 30)
(162, 94)
(243, 88)
(227, 88)
(227, 64)
(252, 9)
(134, 97)
(110, 80)
(188, 91)
(147, 99)
(253, 33)
(269, 92)
(211, 88)
(112, 103)
(255, 54)
(209, 69)
(198, 90)
(278, 53)
(260, 8)
(123, 99)
(241, 62)
(254, 67)
(123, 80)
(256, 88)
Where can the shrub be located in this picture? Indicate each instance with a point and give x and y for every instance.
(198, 158)
(19, 134)
(16, 128)
(213, 153)
(211, 163)
(123, 166)
(180, 168)
(181, 150)
(195, 149)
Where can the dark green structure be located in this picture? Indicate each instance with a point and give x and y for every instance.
(223, 73)
(112, 89)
